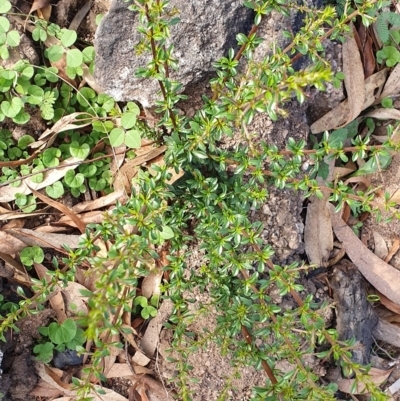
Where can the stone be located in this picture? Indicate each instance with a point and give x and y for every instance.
(207, 30)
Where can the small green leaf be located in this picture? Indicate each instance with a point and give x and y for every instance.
(56, 190)
(5, 6)
(54, 53)
(32, 254)
(167, 233)
(13, 39)
(36, 94)
(4, 24)
(44, 351)
(117, 136)
(132, 139)
(74, 180)
(79, 151)
(88, 170)
(39, 34)
(62, 333)
(387, 102)
(24, 141)
(74, 58)
(128, 120)
(50, 157)
(88, 54)
(68, 37)
(11, 109)
(22, 118)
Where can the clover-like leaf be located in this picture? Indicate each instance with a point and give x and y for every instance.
(62, 333)
(31, 255)
(68, 37)
(133, 139)
(24, 141)
(74, 58)
(74, 180)
(128, 119)
(51, 156)
(56, 190)
(117, 136)
(13, 39)
(5, 6)
(78, 150)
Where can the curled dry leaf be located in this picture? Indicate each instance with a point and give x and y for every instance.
(377, 376)
(151, 337)
(151, 283)
(382, 276)
(380, 249)
(393, 250)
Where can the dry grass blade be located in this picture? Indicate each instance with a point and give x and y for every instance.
(14, 271)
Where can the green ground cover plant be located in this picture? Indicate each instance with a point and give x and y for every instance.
(210, 204)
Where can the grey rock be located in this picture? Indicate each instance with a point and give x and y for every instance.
(207, 30)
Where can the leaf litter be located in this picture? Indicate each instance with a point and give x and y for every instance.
(361, 95)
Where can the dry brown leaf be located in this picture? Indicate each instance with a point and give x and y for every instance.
(151, 337)
(377, 376)
(340, 172)
(99, 203)
(72, 295)
(43, 240)
(392, 86)
(382, 276)
(384, 114)
(380, 249)
(118, 159)
(15, 223)
(62, 208)
(353, 77)
(387, 332)
(97, 216)
(151, 283)
(65, 123)
(393, 250)
(45, 12)
(56, 299)
(338, 116)
(318, 237)
(14, 271)
(7, 193)
(388, 303)
(50, 377)
(9, 244)
(140, 359)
